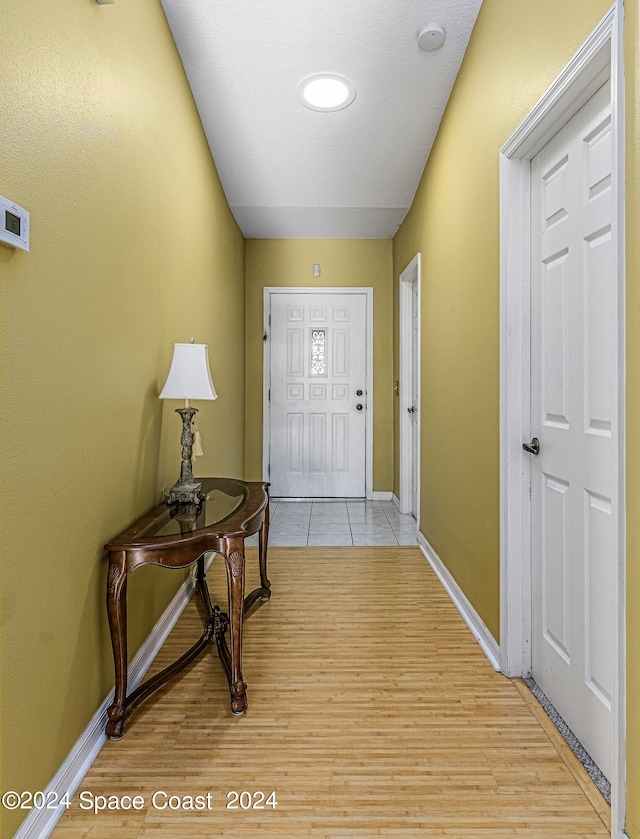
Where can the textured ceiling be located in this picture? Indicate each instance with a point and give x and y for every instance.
(291, 172)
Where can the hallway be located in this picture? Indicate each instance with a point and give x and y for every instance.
(372, 712)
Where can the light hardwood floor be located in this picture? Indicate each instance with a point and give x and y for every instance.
(372, 712)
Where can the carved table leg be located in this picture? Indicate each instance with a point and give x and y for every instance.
(203, 588)
(263, 541)
(117, 612)
(234, 562)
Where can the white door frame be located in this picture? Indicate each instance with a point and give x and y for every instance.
(600, 58)
(410, 275)
(266, 377)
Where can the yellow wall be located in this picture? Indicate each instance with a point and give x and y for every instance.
(132, 248)
(344, 262)
(513, 57)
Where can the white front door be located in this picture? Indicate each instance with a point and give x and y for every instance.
(318, 399)
(574, 393)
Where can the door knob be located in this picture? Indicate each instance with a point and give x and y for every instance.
(359, 392)
(533, 447)
(359, 406)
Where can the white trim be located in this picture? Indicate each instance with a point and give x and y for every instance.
(598, 59)
(619, 781)
(266, 371)
(39, 824)
(515, 571)
(585, 73)
(395, 500)
(411, 274)
(476, 625)
(382, 496)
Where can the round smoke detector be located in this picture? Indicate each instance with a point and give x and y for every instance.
(431, 37)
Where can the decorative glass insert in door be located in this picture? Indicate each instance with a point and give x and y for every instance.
(318, 352)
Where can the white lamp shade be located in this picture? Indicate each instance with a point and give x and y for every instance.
(189, 376)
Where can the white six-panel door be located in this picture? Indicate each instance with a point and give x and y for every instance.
(409, 388)
(415, 397)
(573, 414)
(318, 399)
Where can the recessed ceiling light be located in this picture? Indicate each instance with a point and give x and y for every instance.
(326, 92)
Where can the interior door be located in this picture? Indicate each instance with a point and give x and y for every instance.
(408, 388)
(573, 415)
(415, 398)
(318, 399)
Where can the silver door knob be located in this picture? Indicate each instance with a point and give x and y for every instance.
(533, 447)
(359, 406)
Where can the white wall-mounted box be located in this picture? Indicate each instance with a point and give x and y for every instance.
(14, 225)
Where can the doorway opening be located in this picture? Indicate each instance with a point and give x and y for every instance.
(410, 412)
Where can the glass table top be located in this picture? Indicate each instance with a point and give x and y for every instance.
(222, 498)
(217, 507)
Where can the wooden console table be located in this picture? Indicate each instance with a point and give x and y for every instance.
(177, 537)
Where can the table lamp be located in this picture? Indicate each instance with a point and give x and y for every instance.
(189, 378)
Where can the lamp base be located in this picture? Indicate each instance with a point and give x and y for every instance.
(186, 490)
(185, 493)
(185, 502)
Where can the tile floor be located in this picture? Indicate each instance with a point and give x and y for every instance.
(339, 523)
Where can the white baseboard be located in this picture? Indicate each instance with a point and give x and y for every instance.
(395, 500)
(489, 645)
(381, 496)
(39, 824)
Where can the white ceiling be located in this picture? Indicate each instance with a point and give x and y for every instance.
(291, 172)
